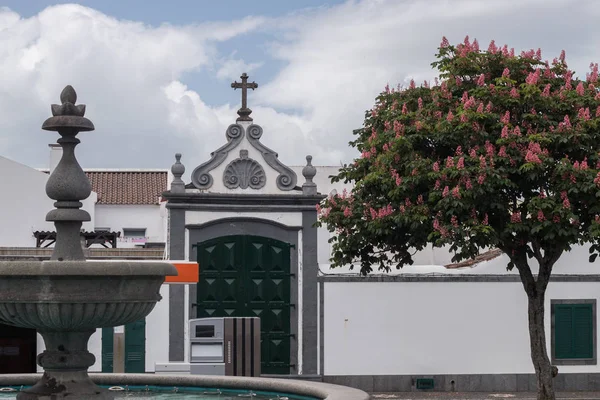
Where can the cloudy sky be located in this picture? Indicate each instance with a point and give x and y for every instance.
(156, 75)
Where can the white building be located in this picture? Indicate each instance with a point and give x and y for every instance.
(248, 219)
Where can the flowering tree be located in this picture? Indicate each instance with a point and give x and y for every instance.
(503, 151)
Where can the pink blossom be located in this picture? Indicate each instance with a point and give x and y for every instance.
(347, 212)
(450, 116)
(454, 221)
(502, 152)
(482, 162)
(584, 164)
(597, 179)
(538, 54)
(593, 76)
(489, 148)
(412, 84)
(436, 166)
(546, 92)
(515, 217)
(566, 123)
(485, 219)
(540, 216)
(407, 202)
(584, 114)
(481, 80)
(456, 192)
(480, 108)
(464, 118)
(492, 47)
(420, 103)
(580, 90)
(481, 179)
(386, 147)
(488, 108)
(373, 213)
(458, 81)
(473, 153)
(458, 151)
(475, 45)
(514, 93)
(437, 185)
(533, 77)
(506, 73)
(394, 105)
(468, 184)
(562, 56)
(446, 192)
(387, 88)
(505, 118)
(445, 42)
(517, 131)
(461, 163)
(404, 109)
(556, 219)
(437, 114)
(449, 162)
(418, 125)
(532, 157)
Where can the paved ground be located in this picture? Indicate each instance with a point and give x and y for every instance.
(481, 396)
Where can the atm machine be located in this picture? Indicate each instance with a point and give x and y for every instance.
(225, 346)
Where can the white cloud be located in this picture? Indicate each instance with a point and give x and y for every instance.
(336, 60)
(232, 69)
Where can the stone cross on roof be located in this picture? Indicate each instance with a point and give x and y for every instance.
(244, 112)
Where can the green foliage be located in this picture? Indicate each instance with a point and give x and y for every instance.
(504, 152)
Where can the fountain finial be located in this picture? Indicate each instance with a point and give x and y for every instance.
(68, 184)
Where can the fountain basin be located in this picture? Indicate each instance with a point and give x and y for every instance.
(62, 296)
(66, 301)
(282, 387)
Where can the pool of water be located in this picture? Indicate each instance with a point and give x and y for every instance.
(178, 393)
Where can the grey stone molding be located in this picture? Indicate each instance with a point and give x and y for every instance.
(287, 177)
(239, 200)
(201, 177)
(450, 278)
(460, 383)
(289, 386)
(244, 172)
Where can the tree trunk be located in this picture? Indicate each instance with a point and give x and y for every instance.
(539, 353)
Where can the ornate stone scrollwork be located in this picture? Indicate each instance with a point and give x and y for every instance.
(244, 172)
(287, 177)
(201, 177)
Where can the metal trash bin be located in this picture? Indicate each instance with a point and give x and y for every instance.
(225, 346)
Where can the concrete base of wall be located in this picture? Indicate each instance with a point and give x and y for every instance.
(466, 383)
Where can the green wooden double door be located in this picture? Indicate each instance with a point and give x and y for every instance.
(249, 276)
(135, 348)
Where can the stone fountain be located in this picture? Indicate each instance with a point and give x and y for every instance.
(67, 298)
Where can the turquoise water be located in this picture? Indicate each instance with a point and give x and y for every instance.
(183, 393)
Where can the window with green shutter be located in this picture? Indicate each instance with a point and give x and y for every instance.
(573, 332)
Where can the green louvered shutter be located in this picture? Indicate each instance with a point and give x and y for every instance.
(107, 350)
(135, 347)
(583, 331)
(573, 331)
